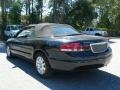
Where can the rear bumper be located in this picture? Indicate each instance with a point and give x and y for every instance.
(74, 65)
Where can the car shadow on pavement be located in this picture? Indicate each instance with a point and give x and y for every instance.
(112, 42)
(85, 80)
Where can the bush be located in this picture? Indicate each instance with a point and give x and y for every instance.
(110, 32)
(0, 35)
(0, 32)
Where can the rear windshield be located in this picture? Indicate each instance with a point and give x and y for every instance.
(64, 31)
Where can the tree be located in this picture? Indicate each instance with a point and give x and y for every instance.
(104, 21)
(5, 4)
(60, 8)
(116, 18)
(81, 14)
(34, 18)
(39, 8)
(15, 13)
(109, 15)
(106, 15)
(78, 13)
(26, 6)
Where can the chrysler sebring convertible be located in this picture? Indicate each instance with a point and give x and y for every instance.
(53, 46)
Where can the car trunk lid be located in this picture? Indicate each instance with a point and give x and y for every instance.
(85, 39)
(96, 44)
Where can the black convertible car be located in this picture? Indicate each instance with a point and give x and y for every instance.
(59, 46)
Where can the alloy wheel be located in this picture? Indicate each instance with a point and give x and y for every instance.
(8, 51)
(40, 65)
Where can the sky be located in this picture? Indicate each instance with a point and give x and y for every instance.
(46, 9)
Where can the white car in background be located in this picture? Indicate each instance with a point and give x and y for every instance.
(11, 30)
(94, 31)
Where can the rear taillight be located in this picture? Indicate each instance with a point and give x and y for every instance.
(73, 47)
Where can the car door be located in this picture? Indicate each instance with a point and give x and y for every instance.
(87, 31)
(7, 31)
(23, 43)
(91, 31)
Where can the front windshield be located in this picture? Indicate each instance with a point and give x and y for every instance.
(20, 27)
(96, 29)
(14, 28)
(64, 31)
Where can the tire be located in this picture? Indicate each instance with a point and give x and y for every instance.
(9, 54)
(97, 34)
(42, 65)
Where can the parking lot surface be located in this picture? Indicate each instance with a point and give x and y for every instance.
(18, 74)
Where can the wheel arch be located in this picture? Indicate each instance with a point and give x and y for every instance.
(48, 66)
(98, 34)
(40, 51)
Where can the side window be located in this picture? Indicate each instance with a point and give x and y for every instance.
(14, 28)
(87, 29)
(8, 28)
(91, 29)
(44, 32)
(26, 33)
